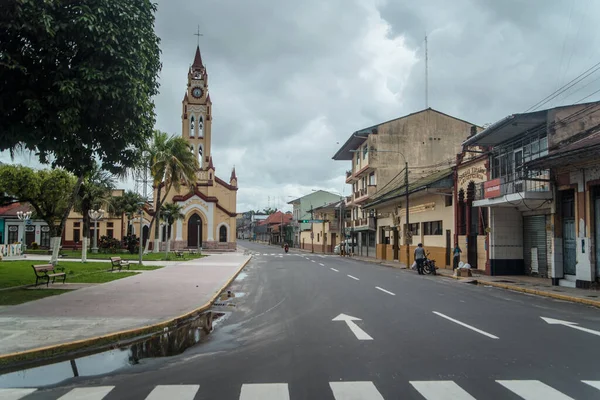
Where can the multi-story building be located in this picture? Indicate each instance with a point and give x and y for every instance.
(427, 141)
(303, 210)
(541, 192)
(329, 232)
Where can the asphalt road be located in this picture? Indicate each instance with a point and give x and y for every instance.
(417, 337)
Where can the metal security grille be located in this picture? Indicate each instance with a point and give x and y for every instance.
(534, 234)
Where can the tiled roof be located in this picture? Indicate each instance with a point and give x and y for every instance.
(12, 209)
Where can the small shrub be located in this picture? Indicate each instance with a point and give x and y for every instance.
(109, 245)
(34, 246)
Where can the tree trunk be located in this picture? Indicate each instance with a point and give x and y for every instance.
(58, 232)
(159, 204)
(86, 232)
(156, 247)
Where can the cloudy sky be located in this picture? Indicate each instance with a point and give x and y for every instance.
(291, 80)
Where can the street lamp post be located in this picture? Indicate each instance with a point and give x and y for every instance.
(141, 235)
(96, 215)
(167, 215)
(198, 222)
(24, 216)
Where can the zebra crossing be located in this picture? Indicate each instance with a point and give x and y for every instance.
(364, 390)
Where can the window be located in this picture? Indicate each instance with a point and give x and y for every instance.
(200, 127)
(223, 234)
(372, 179)
(414, 229)
(76, 235)
(192, 126)
(45, 238)
(365, 151)
(318, 236)
(76, 224)
(109, 229)
(200, 156)
(432, 228)
(357, 159)
(448, 200)
(13, 234)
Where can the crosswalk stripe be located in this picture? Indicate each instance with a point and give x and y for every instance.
(261, 391)
(88, 393)
(595, 384)
(179, 392)
(441, 390)
(15, 394)
(534, 390)
(355, 391)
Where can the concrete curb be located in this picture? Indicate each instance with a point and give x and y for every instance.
(58, 349)
(541, 293)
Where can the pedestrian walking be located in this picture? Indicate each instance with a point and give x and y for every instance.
(420, 258)
(456, 252)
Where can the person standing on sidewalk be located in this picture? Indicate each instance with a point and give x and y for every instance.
(420, 258)
(456, 252)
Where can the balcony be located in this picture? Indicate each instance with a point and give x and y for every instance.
(361, 224)
(523, 190)
(349, 176)
(363, 194)
(348, 201)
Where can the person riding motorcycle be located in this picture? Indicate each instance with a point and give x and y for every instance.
(286, 247)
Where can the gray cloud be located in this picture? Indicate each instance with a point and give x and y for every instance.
(289, 80)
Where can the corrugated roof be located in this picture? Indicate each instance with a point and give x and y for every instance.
(415, 186)
(12, 209)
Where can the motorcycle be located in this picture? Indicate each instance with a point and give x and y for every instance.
(429, 265)
(286, 248)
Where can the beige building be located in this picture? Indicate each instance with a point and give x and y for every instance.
(431, 218)
(427, 140)
(210, 209)
(324, 236)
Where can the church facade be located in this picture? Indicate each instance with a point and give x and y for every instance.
(210, 208)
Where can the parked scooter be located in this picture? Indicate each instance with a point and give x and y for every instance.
(429, 265)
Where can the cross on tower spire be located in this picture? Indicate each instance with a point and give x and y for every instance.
(198, 34)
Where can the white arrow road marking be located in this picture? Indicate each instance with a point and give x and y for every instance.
(534, 390)
(573, 325)
(353, 277)
(466, 326)
(355, 390)
(359, 333)
(333, 269)
(385, 291)
(595, 384)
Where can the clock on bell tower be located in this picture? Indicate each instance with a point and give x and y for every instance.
(196, 116)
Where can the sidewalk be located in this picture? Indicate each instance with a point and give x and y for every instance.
(136, 302)
(520, 283)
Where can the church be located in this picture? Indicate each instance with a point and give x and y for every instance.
(210, 209)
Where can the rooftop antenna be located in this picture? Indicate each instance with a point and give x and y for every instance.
(426, 75)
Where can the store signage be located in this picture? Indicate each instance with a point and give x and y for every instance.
(475, 174)
(492, 189)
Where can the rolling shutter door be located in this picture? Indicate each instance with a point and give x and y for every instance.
(534, 236)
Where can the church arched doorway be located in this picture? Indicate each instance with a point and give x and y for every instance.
(145, 233)
(223, 234)
(194, 232)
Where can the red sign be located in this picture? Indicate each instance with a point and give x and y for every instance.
(491, 189)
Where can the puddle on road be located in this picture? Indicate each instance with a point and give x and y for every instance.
(161, 344)
(241, 276)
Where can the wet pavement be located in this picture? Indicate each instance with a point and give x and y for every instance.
(280, 336)
(128, 303)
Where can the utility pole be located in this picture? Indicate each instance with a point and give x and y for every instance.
(312, 232)
(408, 231)
(426, 75)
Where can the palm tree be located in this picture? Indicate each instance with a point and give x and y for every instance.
(171, 212)
(128, 204)
(172, 165)
(95, 190)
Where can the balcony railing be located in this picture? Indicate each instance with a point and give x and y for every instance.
(516, 183)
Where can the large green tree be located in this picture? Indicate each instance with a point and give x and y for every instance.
(172, 164)
(128, 204)
(44, 190)
(77, 80)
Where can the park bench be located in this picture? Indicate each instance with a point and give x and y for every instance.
(118, 263)
(47, 271)
(192, 251)
(179, 254)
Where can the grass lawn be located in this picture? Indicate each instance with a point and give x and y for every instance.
(18, 296)
(125, 255)
(18, 273)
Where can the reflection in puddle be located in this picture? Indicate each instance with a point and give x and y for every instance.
(241, 276)
(161, 344)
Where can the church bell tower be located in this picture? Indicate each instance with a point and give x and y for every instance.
(196, 116)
